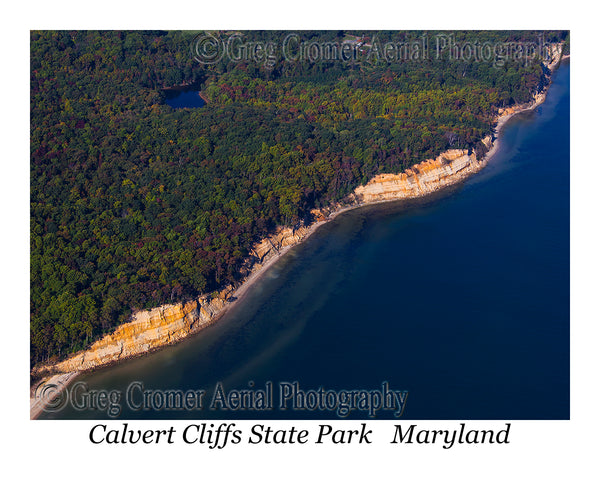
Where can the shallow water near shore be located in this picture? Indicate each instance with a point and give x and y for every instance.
(461, 299)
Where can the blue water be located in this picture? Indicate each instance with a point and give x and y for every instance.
(184, 99)
(460, 299)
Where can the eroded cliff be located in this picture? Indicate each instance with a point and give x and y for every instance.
(428, 176)
(148, 330)
(167, 324)
(274, 244)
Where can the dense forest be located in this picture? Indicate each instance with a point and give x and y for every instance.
(135, 204)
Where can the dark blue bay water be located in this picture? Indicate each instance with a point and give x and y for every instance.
(461, 299)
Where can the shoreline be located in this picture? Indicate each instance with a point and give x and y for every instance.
(56, 382)
(43, 393)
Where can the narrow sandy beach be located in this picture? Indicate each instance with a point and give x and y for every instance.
(50, 394)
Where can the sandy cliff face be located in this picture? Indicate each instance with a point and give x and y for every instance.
(148, 330)
(151, 329)
(283, 237)
(448, 168)
(167, 324)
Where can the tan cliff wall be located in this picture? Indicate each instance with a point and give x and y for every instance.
(147, 331)
(428, 176)
(272, 245)
(168, 324)
(450, 167)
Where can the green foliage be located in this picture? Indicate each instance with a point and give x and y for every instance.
(134, 204)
